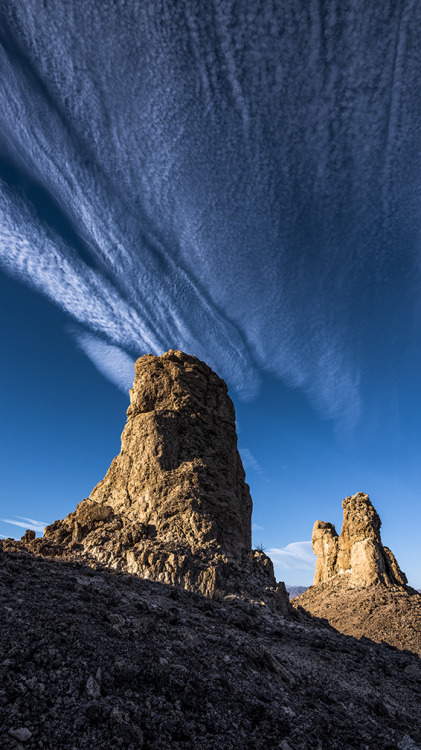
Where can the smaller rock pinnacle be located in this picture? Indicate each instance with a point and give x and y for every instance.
(358, 552)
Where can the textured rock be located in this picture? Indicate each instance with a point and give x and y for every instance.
(174, 505)
(28, 536)
(358, 585)
(22, 734)
(94, 660)
(358, 552)
(386, 614)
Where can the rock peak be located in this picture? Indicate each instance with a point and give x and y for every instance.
(358, 551)
(174, 505)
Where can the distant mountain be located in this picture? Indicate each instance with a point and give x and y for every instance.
(295, 590)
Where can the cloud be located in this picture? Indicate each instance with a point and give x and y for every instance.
(256, 527)
(295, 555)
(135, 320)
(223, 201)
(26, 523)
(249, 461)
(110, 360)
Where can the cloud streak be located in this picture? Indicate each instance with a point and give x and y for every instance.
(295, 555)
(249, 461)
(189, 179)
(110, 360)
(26, 523)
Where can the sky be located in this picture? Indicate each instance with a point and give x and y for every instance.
(239, 180)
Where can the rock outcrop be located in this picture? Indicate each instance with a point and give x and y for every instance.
(28, 536)
(358, 552)
(358, 585)
(174, 505)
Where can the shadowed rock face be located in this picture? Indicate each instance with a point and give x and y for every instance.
(144, 666)
(358, 551)
(174, 505)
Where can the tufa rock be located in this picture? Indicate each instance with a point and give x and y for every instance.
(28, 536)
(358, 585)
(358, 552)
(174, 505)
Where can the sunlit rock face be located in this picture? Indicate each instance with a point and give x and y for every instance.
(358, 552)
(174, 505)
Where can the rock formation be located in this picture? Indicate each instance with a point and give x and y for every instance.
(28, 536)
(358, 552)
(174, 505)
(358, 585)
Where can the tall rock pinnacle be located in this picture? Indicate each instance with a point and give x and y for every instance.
(174, 505)
(358, 552)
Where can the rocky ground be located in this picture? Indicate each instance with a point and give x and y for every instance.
(96, 659)
(295, 590)
(381, 613)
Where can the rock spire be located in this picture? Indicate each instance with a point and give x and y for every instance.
(174, 505)
(357, 552)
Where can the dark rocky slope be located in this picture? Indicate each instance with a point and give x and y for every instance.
(94, 659)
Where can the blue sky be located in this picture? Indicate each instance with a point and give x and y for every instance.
(240, 180)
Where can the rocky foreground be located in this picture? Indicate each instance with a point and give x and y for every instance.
(392, 615)
(96, 659)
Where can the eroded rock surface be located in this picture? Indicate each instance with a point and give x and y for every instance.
(358, 552)
(174, 505)
(358, 585)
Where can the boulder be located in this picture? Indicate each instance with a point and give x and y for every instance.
(28, 536)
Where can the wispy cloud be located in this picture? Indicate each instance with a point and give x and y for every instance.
(256, 527)
(110, 360)
(295, 555)
(249, 461)
(26, 523)
(233, 207)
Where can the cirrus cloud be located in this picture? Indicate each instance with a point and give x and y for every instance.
(237, 193)
(298, 555)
